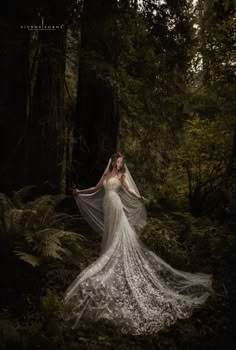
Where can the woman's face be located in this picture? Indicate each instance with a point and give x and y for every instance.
(119, 163)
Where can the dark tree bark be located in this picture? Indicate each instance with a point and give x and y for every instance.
(33, 67)
(44, 159)
(13, 96)
(97, 119)
(45, 162)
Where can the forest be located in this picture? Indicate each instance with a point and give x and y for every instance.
(153, 79)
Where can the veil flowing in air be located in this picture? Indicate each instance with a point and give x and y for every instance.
(91, 205)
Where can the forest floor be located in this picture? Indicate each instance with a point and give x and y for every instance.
(32, 297)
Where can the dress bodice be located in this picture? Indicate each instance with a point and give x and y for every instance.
(112, 184)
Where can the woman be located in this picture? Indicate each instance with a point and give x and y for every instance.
(128, 285)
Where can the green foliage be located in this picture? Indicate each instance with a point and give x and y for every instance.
(152, 85)
(200, 162)
(167, 236)
(36, 230)
(51, 312)
(164, 242)
(177, 89)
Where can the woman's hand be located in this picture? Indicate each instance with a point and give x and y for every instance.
(75, 191)
(142, 199)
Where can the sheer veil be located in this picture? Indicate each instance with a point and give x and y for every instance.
(91, 205)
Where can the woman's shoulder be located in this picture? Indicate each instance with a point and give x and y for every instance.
(106, 173)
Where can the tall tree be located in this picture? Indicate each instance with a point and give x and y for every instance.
(14, 90)
(97, 117)
(44, 161)
(33, 98)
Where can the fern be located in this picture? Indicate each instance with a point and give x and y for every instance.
(36, 229)
(5, 202)
(5, 206)
(30, 259)
(19, 196)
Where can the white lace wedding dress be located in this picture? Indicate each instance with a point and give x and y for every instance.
(128, 285)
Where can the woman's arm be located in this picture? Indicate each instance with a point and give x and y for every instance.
(130, 190)
(91, 189)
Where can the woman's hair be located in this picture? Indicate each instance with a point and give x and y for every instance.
(114, 158)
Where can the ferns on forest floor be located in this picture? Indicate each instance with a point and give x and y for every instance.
(39, 233)
(35, 230)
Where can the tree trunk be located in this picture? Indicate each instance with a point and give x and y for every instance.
(33, 65)
(13, 95)
(97, 117)
(45, 142)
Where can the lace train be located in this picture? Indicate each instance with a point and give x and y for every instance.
(128, 284)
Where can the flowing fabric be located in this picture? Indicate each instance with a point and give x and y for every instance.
(91, 205)
(128, 285)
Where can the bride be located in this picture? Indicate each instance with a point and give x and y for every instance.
(128, 285)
